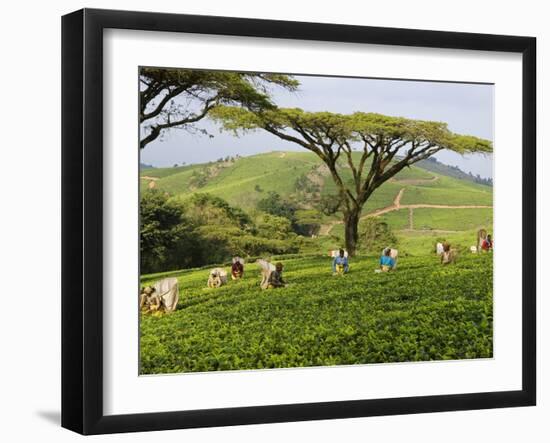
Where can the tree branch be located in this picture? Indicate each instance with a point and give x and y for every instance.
(158, 109)
(156, 129)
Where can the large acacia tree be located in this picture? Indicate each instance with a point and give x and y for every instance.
(179, 98)
(361, 150)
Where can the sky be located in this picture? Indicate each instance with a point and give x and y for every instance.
(466, 108)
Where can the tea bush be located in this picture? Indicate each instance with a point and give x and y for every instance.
(423, 311)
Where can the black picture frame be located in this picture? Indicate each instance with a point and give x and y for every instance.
(82, 218)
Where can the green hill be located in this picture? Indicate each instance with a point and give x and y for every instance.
(243, 180)
(420, 205)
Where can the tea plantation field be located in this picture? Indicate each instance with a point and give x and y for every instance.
(423, 311)
(247, 180)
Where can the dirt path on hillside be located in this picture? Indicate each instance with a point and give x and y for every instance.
(326, 228)
(396, 206)
(152, 181)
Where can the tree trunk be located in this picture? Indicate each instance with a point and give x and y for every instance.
(351, 222)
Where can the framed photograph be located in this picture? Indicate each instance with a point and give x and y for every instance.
(269, 221)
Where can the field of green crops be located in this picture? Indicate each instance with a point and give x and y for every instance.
(458, 219)
(448, 191)
(244, 182)
(423, 311)
(425, 219)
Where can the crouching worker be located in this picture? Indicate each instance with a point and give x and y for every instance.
(340, 264)
(266, 269)
(276, 277)
(160, 298)
(387, 262)
(237, 268)
(217, 278)
(149, 300)
(449, 255)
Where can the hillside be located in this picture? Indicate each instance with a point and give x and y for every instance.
(419, 204)
(242, 181)
(422, 311)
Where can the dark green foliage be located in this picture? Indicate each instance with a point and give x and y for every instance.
(226, 231)
(163, 229)
(273, 226)
(421, 312)
(220, 243)
(307, 229)
(273, 204)
(330, 204)
(208, 208)
(376, 235)
(308, 222)
(205, 230)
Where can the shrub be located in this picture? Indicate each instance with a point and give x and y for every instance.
(273, 204)
(163, 228)
(376, 235)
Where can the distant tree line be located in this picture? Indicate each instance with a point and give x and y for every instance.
(433, 165)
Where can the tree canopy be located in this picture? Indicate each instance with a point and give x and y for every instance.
(179, 98)
(374, 147)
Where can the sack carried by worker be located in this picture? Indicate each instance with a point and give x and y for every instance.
(167, 289)
(217, 278)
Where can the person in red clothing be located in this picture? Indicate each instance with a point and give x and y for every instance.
(487, 244)
(237, 269)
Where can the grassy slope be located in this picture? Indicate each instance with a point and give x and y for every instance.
(426, 220)
(397, 220)
(449, 191)
(454, 220)
(278, 171)
(271, 172)
(237, 183)
(421, 312)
